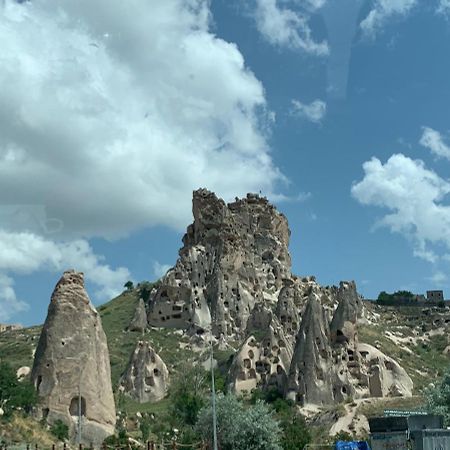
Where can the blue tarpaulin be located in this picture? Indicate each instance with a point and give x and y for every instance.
(345, 445)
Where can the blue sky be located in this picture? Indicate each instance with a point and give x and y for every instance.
(337, 110)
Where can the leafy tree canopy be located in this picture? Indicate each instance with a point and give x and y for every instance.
(240, 428)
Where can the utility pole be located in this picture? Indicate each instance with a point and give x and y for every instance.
(79, 408)
(213, 393)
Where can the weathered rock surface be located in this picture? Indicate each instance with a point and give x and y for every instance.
(146, 378)
(310, 378)
(71, 365)
(234, 275)
(386, 378)
(233, 256)
(139, 321)
(264, 358)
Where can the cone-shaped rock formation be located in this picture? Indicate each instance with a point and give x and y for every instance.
(139, 321)
(71, 368)
(146, 378)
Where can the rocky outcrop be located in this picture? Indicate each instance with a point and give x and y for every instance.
(234, 255)
(385, 377)
(233, 276)
(310, 379)
(71, 368)
(146, 378)
(139, 321)
(343, 325)
(264, 358)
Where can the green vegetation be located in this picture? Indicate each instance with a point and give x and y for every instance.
(60, 430)
(16, 346)
(438, 398)
(129, 285)
(188, 395)
(241, 428)
(404, 297)
(15, 394)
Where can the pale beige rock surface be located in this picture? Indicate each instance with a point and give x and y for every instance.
(71, 359)
(146, 378)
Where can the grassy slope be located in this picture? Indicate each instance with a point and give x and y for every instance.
(426, 363)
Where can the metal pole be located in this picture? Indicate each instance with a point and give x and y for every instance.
(213, 394)
(79, 409)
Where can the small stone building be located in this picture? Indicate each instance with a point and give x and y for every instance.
(435, 296)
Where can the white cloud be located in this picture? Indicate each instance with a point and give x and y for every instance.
(9, 303)
(444, 7)
(113, 114)
(415, 197)
(438, 278)
(382, 12)
(111, 117)
(285, 27)
(25, 253)
(434, 141)
(159, 270)
(314, 112)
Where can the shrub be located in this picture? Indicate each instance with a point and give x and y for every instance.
(15, 394)
(60, 430)
(240, 428)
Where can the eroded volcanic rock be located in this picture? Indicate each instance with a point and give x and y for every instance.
(233, 256)
(234, 275)
(264, 358)
(139, 321)
(146, 378)
(310, 378)
(71, 364)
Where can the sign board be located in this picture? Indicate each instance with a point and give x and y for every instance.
(403, 413)
(397, 440)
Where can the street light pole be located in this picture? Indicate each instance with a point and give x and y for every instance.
(80, 373)
(79, 408)
(213, 393)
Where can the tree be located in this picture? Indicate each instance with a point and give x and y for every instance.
(295, 432)
(129, 285)
(15, 394)
(438, 398)
(145, 427)
(60, 430)
(240, 428)
(188, 393)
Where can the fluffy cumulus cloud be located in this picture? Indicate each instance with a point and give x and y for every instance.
(444, 7)
(434, 141)
(384, 10)
(24, 253)
(289, 27)
(415, 198)
(111, 117)
(314, 111)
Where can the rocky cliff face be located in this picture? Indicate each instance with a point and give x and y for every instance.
(146, 378)
(71, 368)
(233, 257)
(234, 275)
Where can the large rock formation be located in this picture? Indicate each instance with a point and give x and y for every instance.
(309, 375)
(233, 275)
(233, 256)
(71, 368)
(264, 358)
(146, 378)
